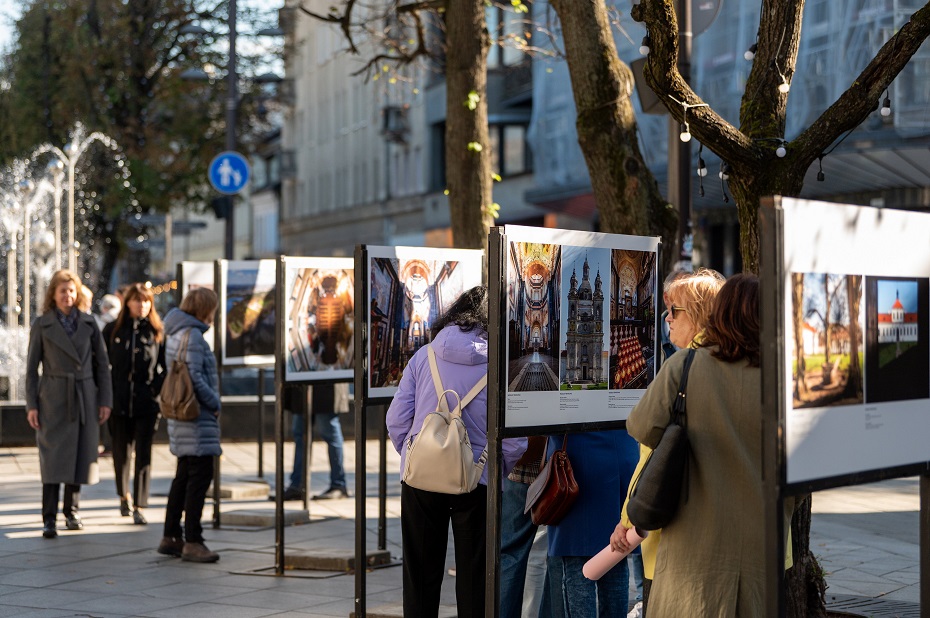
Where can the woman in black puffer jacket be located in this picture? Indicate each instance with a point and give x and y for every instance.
(136, 345)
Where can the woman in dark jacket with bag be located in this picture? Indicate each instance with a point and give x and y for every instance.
(69, 401)
(137, 363)
(195, 443)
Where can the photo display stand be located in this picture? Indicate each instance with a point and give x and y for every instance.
(399, 292)
(313, 346)
(573, 342)
(244, 332)
(845, 359)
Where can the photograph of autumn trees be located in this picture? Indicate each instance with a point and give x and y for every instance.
(827, 338)
(897, 359)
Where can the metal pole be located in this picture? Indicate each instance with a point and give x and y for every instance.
(11, 317)
(72, 257)
(679, 153)
(232, 103)
(382, 479)
(924, 543)
(361, 395)
(57, 220)
(279, 425)
(261, 421)
(27, 297)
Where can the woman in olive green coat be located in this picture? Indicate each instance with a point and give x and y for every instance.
(71, 399)
(710, 560)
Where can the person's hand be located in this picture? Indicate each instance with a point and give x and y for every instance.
(32, 416)
(104, 414)
(618, 540)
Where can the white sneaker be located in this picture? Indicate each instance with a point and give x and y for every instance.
(637, 610)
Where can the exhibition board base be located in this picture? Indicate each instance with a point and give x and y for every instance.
(396, 610)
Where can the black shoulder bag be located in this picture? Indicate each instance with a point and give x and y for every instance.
(658, 489)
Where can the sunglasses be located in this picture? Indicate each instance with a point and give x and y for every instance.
(676, 310)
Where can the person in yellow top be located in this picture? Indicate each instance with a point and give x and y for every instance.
(688, 300)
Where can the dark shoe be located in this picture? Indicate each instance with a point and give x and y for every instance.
(125, 507)
(332, 494)
(48, 530)
(171, 546)
(293, 493)
(198, 552)
(138, 518)
(73, 522)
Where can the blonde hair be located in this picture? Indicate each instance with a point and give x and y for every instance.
(61, 276)
(200, 303)
(85, 299)
(696, 293)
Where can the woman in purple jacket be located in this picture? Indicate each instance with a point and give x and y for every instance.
(460, 342)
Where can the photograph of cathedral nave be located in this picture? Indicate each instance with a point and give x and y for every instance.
(584, 344)
(632, 319)
(534, 272)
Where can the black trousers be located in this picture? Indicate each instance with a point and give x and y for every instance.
(50, 493)
(187, 495)
(424, 522)
(130, 434)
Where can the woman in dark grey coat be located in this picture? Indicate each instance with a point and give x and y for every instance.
(195, 443)
(70, 401)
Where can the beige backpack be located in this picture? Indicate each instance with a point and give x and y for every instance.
(176, 399)
(440, 458)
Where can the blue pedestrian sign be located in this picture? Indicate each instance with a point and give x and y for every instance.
(229, 172)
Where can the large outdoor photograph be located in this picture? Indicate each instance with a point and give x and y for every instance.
(632, 319)
(533, 312)
(897, 353)
(406, 296)
(194, 275)
(827, 339)
(249, 312)
(320, 318)
(584, 337)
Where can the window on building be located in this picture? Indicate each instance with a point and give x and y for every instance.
(510, 155)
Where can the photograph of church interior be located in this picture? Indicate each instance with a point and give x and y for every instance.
(320, 319)
(583, 359)
(897, 354)
(407, 296)
(632, 318)
(534, 271)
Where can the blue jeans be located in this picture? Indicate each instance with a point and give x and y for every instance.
(517, 534)
(635, 562)
(580, 597)
(330, 431)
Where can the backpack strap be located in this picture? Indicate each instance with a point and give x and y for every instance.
(182, 348)
(440, 391)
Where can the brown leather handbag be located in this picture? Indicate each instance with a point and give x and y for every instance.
(554, 491)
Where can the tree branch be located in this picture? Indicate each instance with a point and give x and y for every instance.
(416, 7)
(863, 95)
(344, 21)
(662, 75)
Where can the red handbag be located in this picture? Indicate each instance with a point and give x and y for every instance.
(554, 491)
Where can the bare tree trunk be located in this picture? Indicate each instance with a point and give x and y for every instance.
(854, 294)
(468, 160)
(804, 583)
(627, 196)
(797, 299)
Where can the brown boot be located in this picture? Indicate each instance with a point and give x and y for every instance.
(171, 546)
(198, 552)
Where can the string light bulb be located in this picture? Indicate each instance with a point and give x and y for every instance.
(724, 173)
(781, 151)
(784, 87)
(886, 106)
(750, 53)
(685, 134)
(645, 47)
(702, 168)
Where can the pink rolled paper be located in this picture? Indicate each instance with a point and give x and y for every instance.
(606, 559)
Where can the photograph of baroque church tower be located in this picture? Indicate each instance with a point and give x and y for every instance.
(583, 358)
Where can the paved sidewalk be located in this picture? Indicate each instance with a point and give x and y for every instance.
(866, 537)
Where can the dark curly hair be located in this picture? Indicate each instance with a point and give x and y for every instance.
(469, 312)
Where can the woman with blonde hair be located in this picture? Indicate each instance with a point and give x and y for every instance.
(70, 401)
(690, 300)
(195, 443)
(137, 361)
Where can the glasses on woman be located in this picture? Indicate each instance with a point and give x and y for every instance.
(675, 310)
